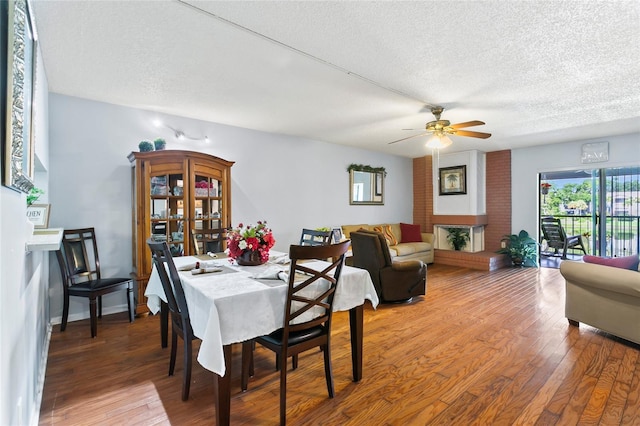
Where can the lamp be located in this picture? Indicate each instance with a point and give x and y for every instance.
(439, 140)
(179, 134)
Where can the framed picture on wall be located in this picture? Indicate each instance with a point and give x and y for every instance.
(453, 180)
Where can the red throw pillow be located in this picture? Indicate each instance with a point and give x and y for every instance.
(626, 262)
(410, 233)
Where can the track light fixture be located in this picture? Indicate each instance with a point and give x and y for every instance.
(179, 134)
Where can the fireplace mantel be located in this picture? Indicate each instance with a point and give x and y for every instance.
(476, 237)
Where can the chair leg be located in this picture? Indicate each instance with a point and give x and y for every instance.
(93, 317)
(130, 304)
(294, 361)
(283, 389)
(174, 349)
(327, 371)
(186, 381)
(65, 313)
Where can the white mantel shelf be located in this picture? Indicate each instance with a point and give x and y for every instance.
(48, 239)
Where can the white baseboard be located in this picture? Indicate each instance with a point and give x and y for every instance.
(35, 416)
(85, 314)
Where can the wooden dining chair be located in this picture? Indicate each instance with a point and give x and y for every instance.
(81, 277)
(207, 240)
(177, 303)
(307, 315)
(312, 237)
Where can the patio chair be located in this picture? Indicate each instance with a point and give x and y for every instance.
(557, 239)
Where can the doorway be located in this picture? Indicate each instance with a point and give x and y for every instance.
(600, 205)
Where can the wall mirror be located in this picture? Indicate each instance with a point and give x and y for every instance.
(366, 187)
(18, 45)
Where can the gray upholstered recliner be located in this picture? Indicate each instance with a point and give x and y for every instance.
(394, 281)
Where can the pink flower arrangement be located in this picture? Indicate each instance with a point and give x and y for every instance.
(245, 238)
(202, 184)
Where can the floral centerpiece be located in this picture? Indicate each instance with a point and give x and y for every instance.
(250, 245)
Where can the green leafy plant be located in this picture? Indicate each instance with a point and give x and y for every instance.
(521, 248)
(365, 168)
(33, 195)
(159, 144)
(145, 146)
(458, 237)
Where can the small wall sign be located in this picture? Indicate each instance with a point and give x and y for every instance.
(596, 152)
(39, 215)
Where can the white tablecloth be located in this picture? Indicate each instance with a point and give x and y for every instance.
(233, 307)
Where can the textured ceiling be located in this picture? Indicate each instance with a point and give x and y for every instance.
(358, 73)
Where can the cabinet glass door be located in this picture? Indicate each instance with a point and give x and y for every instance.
(167, 206)
(208, 226)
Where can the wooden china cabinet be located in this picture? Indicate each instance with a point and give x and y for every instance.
(174, 192)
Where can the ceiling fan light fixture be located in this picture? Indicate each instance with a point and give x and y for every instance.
(439, 141)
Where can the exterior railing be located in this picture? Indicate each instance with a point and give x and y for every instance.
(622, 233)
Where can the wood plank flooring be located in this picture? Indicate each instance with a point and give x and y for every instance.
(481, 348)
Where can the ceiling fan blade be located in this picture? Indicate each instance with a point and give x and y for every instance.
(467, 124)
(472, 134)
(409, 137)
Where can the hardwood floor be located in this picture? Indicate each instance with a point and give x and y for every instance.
(480, 348)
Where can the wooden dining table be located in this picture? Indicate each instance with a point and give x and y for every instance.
(238, 303)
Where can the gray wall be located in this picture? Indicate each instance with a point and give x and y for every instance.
(290, 182)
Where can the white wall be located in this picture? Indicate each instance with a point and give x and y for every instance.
(288, 181)
(527, 163)
(471, 203)
(24, 316)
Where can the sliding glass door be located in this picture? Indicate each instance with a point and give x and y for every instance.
(601, 205)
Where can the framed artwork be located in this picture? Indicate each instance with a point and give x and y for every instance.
(453, 180)
(19, 59)
(39, 215)
(337, 235)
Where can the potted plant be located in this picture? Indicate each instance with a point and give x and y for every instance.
(33, 195)
(458, 238)
(160, 144)
(521, 248)
(145, 146)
